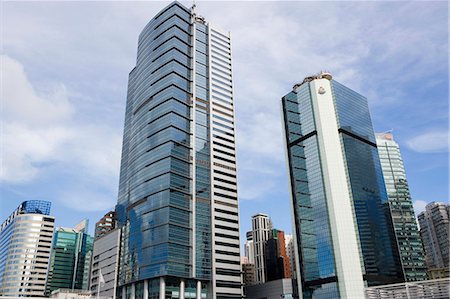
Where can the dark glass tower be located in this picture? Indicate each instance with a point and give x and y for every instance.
(70, 259)
(177, 202)
(343, 232)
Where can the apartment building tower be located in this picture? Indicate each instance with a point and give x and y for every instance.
(177, 204)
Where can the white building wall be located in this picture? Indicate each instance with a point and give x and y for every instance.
(340, 208)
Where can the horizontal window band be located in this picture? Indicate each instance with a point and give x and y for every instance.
(219, 243)
(174, 25)
(226, 212)
(226, 146)
(223, 181)
(303, 138)
(227, 252)
(224, 159)
(224, 173)
(169, 39)
(170, 61)
(223, 271)
(357, 137)
(174, 4)
(226, 236)
(225, 196)
(173, 48)
(222, 203)
(226, 220)
(224, 166)
(220, 112)
(224, 152)
(170, 18)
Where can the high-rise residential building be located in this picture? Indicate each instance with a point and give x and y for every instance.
(343, 233)
(105, 265)
(434, 230)
(290, 251)
(177, 202)
(276, 261)
(402, 211)
(25, 244)
(249, 248)
(261, 228)
(106, 224)
(70, 258)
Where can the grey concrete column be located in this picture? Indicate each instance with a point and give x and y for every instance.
(162, 288)
(199, 290)
(182, 289)
(146, 289)
(133, 291)
(124, 292)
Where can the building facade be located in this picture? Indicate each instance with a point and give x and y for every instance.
(343, 233)
(177, 203)
(275, 289)
(106, 224)
(290, 251)
(434, 230)
(70, 259)
(249, 248)
(25, 244)
(248, 274)
(105, 265)
(402, 211)
(261, 228)
(276, 259)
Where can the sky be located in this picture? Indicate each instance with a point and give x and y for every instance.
(64, 70)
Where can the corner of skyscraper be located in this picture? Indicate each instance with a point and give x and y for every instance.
(343, 234)
(177, 204)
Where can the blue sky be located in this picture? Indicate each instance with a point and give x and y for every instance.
(64, 79)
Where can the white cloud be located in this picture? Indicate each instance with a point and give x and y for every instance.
(40, 134)
(430, 142)
(419, 206)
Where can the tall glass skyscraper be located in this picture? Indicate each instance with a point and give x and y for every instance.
(406, 232)
(25, 244)
(343, 233)
(70, 259)
(177, 203)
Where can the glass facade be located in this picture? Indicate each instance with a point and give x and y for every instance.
(312, 225)
(402, 211)
(25, 244)
(155, 201)
(379, 259)
(70, 260)
(165, 205)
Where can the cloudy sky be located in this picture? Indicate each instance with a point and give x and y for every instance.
(64, 79)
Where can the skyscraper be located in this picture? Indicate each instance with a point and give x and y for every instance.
(25, 244)
(177, 202)
(343, 232)
(402, 210)
(70, 258)
(434, 230)
(249, 248)
(261, 228)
